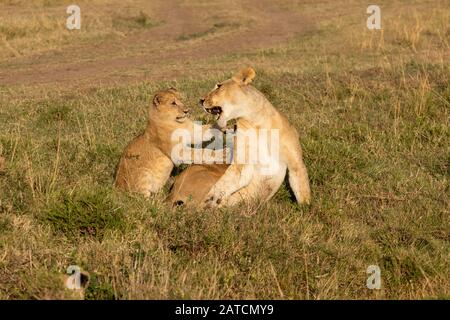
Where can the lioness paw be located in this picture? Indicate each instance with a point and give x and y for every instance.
(213, 200)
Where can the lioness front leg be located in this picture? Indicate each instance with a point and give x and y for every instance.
(236, 177)
(298, 176)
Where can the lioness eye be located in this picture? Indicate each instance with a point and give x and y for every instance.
(174, 103)
(218, 85)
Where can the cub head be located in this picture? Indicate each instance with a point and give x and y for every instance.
(227, 99)
(167, 105)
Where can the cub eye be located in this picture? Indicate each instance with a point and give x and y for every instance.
(174, 103)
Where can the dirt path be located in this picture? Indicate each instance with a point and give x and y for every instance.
(157, 53)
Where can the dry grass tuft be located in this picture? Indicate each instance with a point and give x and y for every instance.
(2, 164)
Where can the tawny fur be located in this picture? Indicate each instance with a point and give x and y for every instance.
(241, 101)
(147, 161)
(194, 183)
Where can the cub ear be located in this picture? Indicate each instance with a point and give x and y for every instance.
(157, 100)
(173, 89)
(245, 76)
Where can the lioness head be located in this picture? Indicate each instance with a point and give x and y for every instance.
(225, 100)
(168, 105)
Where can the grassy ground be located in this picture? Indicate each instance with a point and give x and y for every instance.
(372, 108)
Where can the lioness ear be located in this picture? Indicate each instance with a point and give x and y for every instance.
(173, 89)
(245, 76)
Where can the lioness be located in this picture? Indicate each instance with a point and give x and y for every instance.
(237, 99)
(148, 160)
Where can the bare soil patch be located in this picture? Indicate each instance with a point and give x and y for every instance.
(156, 53)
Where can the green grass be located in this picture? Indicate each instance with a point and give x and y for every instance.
(85, 215)
(374, 128)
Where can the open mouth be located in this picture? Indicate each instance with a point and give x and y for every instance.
(181, 118)
(216, 110)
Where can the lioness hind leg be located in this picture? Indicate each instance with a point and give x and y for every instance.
(298, 177)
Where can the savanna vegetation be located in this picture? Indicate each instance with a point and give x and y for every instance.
(371, 106)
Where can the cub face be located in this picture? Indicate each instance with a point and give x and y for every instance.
(168, 105)
(224, 100)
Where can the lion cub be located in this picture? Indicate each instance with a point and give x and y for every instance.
(147, 161)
